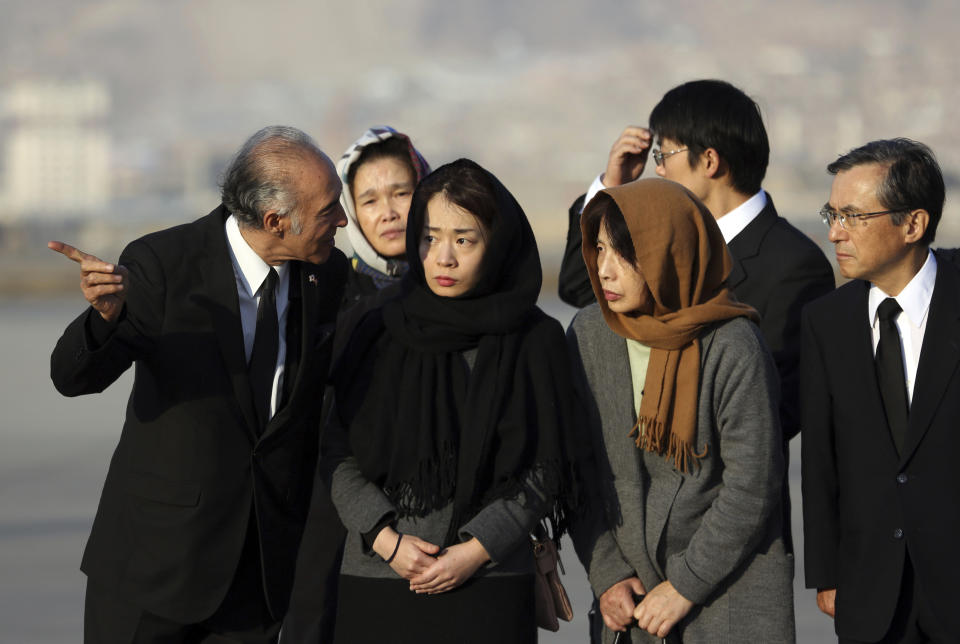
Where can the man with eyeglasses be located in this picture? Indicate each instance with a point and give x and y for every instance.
(712, 140)
(880, 402)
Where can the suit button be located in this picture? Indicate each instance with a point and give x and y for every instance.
(898, 534)
(901, 478)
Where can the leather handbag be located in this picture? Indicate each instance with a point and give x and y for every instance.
(551, 597)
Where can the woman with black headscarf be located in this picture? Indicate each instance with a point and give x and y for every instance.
(450, 438)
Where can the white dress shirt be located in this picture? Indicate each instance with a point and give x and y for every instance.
(250, 272)
(911, 322)
(731, 223)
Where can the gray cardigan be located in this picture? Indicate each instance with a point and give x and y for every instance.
(715, 533)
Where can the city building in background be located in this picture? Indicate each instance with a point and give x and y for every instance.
(56, 156)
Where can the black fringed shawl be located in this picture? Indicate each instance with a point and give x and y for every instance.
(428, 429)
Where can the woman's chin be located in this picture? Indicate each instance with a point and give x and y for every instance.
(630, 309)
(391, 250)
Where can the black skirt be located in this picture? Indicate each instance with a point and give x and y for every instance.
(497, 609)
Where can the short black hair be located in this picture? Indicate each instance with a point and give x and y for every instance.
(714, 114)
(913, 178)
(465, 184)
(607, 211)
(393, 148)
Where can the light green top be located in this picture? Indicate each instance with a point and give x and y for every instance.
(639, 356)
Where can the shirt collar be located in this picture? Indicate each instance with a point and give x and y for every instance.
(914, 299)
(740, 217)
(252, 270)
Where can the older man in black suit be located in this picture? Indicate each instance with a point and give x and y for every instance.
(227, 321)
(880, 373)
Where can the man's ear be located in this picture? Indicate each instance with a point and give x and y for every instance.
(915, 225)
(711, 163)
(274, 223)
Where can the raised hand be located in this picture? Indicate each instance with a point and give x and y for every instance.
(104, 285)
(628, 156)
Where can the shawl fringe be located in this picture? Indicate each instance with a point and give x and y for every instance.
(652, 436)
(431, 489)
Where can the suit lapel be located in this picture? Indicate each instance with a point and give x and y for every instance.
(315, 297)
(746, 244)
(216, 270)
(854, 349)
(939, 355)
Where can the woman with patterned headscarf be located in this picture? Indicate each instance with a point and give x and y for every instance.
(379, 172)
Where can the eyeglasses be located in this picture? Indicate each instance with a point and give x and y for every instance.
(660, 156)
(849, 221)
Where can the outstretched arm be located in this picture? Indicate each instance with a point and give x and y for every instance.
(124, 319)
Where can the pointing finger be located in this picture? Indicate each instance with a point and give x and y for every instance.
(67, 251)
(88, 263)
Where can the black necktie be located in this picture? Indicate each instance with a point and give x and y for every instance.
(890, 371)
(266, 343)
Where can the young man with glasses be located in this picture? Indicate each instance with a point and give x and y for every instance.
(711, 139)
(880, 402)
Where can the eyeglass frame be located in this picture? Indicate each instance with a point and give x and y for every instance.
(828, 216)
(659, 156)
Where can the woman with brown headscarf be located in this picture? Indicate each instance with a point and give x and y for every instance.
(682, 396)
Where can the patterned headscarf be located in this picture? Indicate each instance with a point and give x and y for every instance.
(361, 245)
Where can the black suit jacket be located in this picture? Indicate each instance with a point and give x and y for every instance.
(776, 270)
(865, 505)
(190, 467)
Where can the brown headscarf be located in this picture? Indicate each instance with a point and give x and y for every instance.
(685, 263)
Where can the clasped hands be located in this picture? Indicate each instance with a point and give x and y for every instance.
(657, 613)
(429, 569)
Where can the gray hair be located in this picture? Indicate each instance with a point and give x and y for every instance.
(258, 177)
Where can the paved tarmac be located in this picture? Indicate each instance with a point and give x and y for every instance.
(54, 458)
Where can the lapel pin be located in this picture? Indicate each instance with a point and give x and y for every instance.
(312, 279)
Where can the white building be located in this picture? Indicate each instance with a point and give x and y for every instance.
(56, 158)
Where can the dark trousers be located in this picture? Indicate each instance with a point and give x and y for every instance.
(311, 617)
(913, 622)
(242, 618)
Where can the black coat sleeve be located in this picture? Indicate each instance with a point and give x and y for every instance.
(573, 281)
(92, 354)
(780, 326)
(821, 526)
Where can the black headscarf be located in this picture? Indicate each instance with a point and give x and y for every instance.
(428, 429)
